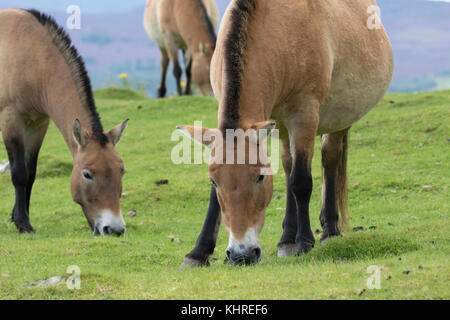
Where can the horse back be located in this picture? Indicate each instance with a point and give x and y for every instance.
(26, 51)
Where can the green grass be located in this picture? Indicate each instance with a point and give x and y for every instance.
(395, 150)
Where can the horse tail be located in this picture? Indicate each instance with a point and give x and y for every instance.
(341, 185)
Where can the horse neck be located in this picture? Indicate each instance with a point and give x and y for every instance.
(63, 104)
(194, 27)
(256, 101)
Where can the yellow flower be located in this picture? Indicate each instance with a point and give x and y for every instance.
(123, 76)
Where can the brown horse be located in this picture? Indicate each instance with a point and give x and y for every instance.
(42, 77)
(315, 67)
(188, 25)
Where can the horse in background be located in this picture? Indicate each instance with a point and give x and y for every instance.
(187, 25)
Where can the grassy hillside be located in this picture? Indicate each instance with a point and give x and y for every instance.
(399, 175)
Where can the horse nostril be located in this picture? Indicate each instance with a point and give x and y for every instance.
(257, 252)
(228, 254)
(107, 230)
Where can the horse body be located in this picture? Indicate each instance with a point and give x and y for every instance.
(314, 66)
(42, 78)
(186, 25)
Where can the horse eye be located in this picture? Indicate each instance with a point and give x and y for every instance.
(213, 182)
(87, 175)
(261, 179)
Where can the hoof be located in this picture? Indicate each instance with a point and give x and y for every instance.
(305, 247)
(287, 250)
(329, 234)
(26, 230)
(193, 263)
(161, 92)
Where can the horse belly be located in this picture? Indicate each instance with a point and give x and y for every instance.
(355, 89)
(152, 24)
(348, 101)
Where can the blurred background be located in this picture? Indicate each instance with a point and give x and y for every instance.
(118, 52)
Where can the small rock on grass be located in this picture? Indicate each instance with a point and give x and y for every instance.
(174, 239)
(45, 283)
(162, 182)
(355, 229)
(406, 272)
(132, 213)
(420, 267)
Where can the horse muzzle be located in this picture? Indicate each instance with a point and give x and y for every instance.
(109, 224)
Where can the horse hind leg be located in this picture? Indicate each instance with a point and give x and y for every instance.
(334, 161)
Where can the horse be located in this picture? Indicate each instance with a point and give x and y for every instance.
(43, 77)
(306, 68)
(188, 25)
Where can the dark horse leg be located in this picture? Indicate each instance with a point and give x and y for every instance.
(287, 245)
(164, 64)
(302, 129)
(188, 65)
(34, 138)
(334, 157)
(23, 148)
(206, 241)
(173, 53)
(301, 185)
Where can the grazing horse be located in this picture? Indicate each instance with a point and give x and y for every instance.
(43, 77)
(188, 25)
(309, 67)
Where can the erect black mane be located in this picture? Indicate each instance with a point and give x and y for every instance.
(235, 56)
(209, 25)
(80, 76)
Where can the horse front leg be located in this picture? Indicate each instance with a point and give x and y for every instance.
(302, 127)
(206, 241)
(164, 64)
(19, 178)
(172, 51)
(287, 245)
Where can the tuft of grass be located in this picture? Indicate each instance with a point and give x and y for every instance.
(397, 149)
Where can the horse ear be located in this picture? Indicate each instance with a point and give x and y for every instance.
(263, 129)
(116, 133)
(204, 136)
(80, 136)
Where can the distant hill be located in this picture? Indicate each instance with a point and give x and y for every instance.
(115, 42)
